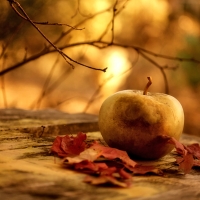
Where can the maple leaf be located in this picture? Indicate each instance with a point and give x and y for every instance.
(180, 148)
(189, 155)
(194, 149)
(113, 153)
(88, 154)
(96, 150)
(69, 145)
(185, 162)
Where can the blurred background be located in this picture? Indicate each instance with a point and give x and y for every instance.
(43, 79)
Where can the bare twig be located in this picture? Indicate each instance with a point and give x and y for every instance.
(98, 90)
(95, 43)
(115, 12)
(78, 10)
(161, 69)
(36, 22)
(113, 22)
(65, 56)
(46, 84)
(3, 86)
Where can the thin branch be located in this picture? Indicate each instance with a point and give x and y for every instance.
(65, 56)
(161, 69)
(82, 22)
(113, 22)
(78, 10)
(98, 90)
(169, 57)
(94, 43)
(54, 85)
(36, 22)
(3, 86)
(115, 12)
(46, 84)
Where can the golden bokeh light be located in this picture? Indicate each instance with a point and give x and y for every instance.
(117, 62)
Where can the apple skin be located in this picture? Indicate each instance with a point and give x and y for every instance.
(133, 122)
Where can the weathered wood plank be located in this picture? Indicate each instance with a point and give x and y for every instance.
(29, 171)
(46, 122)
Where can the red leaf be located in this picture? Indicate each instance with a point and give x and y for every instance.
(180, 148)
(194, 149)
(124, 174)
(91, 166)
(196, 163)
(56, 147)
(140, 169)
(186, 162)
(112, 153)
(109, 171)
(69, 145)
(89, 155)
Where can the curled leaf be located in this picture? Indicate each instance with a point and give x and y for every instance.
(194, 149)
(69, 145)
(186, 162)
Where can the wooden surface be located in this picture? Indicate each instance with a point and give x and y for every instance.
(28, 171)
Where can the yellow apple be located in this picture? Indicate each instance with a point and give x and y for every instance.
(133, 120)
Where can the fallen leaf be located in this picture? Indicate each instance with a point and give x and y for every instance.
(124, 174)
(140, 169)
(180, 148)
(196, 163)
(90, 167)
(56, 147)
(194, 149)
(99, 180)
(187, 154)
(69, 145)
(113, 153)
(88, 154)
(186, 162)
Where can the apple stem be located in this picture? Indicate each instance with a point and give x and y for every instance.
(148, 85)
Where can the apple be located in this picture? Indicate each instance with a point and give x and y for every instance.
(134, 120)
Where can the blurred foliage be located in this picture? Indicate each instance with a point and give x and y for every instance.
(192, 70)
